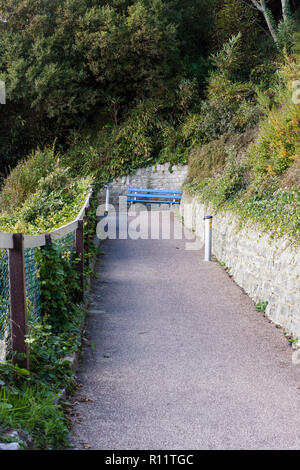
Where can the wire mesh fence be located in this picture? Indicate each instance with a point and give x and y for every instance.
(66, 243)
(32, 275)
(17, 262)
(64, 246)
(32, 284)
(4, 302)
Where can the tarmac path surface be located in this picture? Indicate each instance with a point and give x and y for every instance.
(179, 358)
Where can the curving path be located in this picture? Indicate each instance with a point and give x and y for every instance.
(180, 358)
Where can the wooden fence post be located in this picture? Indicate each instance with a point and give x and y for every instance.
(48, 239)
(87, 237)
(79, 246)
(18, 313)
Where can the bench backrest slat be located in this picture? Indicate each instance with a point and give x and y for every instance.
(146, 190)
(154, 196)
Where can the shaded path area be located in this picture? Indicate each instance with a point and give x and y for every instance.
(180, 358)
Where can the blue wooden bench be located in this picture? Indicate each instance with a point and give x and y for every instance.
(154, 196)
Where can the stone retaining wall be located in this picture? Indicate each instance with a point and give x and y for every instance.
(154, 177)
(268, 270)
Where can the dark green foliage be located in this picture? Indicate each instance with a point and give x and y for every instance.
(144, 138)
(62, 61)
(57, 268)
(120, 81)
(262, 187)
(28, 399)
(29, 407)
(235, 16)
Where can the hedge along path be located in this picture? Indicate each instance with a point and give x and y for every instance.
(178, 358)
(19, 281)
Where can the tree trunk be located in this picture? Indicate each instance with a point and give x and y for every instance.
(261, 6)
(285, 10)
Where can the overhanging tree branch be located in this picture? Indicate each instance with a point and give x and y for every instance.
(257, 5)
(261, 6)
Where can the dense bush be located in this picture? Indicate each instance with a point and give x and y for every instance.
(67, 64)
(40, 195)
(153, 132)
(23, 180)
(278, 143)
(66, 61)
(209, 160)
(143, 138)
(233, 16)
(263, 184)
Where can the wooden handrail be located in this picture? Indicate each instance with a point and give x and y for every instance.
(84, 207)
(64, 230)
(6, 241)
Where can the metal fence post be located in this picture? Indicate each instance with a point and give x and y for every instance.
(79, 246)
(18, 313)
(208, 237)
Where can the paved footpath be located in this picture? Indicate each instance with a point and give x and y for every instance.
(180, 358)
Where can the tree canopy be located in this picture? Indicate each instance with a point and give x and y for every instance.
(68, 62)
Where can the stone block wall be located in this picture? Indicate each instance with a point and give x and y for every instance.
(153, 177)
(267, 269)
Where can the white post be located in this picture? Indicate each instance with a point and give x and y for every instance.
(107, 199)
(2, 93)
(208, 237)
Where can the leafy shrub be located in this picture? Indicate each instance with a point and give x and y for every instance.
(227, 59)
(40, 195)
(187, 94)
(228, 185)
(117, 150)
(142, 139)
(56, 202)
(278, 144)
(57, 268)
(175, 146)
(236, 16)
(263, 186)
(209, 160)
(23, 180)
(220, 117)
(230, 107)
(30, 408)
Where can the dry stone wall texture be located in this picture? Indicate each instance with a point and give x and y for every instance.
(267, 269)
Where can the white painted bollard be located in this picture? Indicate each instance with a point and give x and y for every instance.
(2, 93)
(208, 237)
(107, 199)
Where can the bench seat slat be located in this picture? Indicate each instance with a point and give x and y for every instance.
(154, 202)
(154, 196)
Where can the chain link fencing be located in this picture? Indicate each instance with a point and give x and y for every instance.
(32, 287)
(4, 303)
